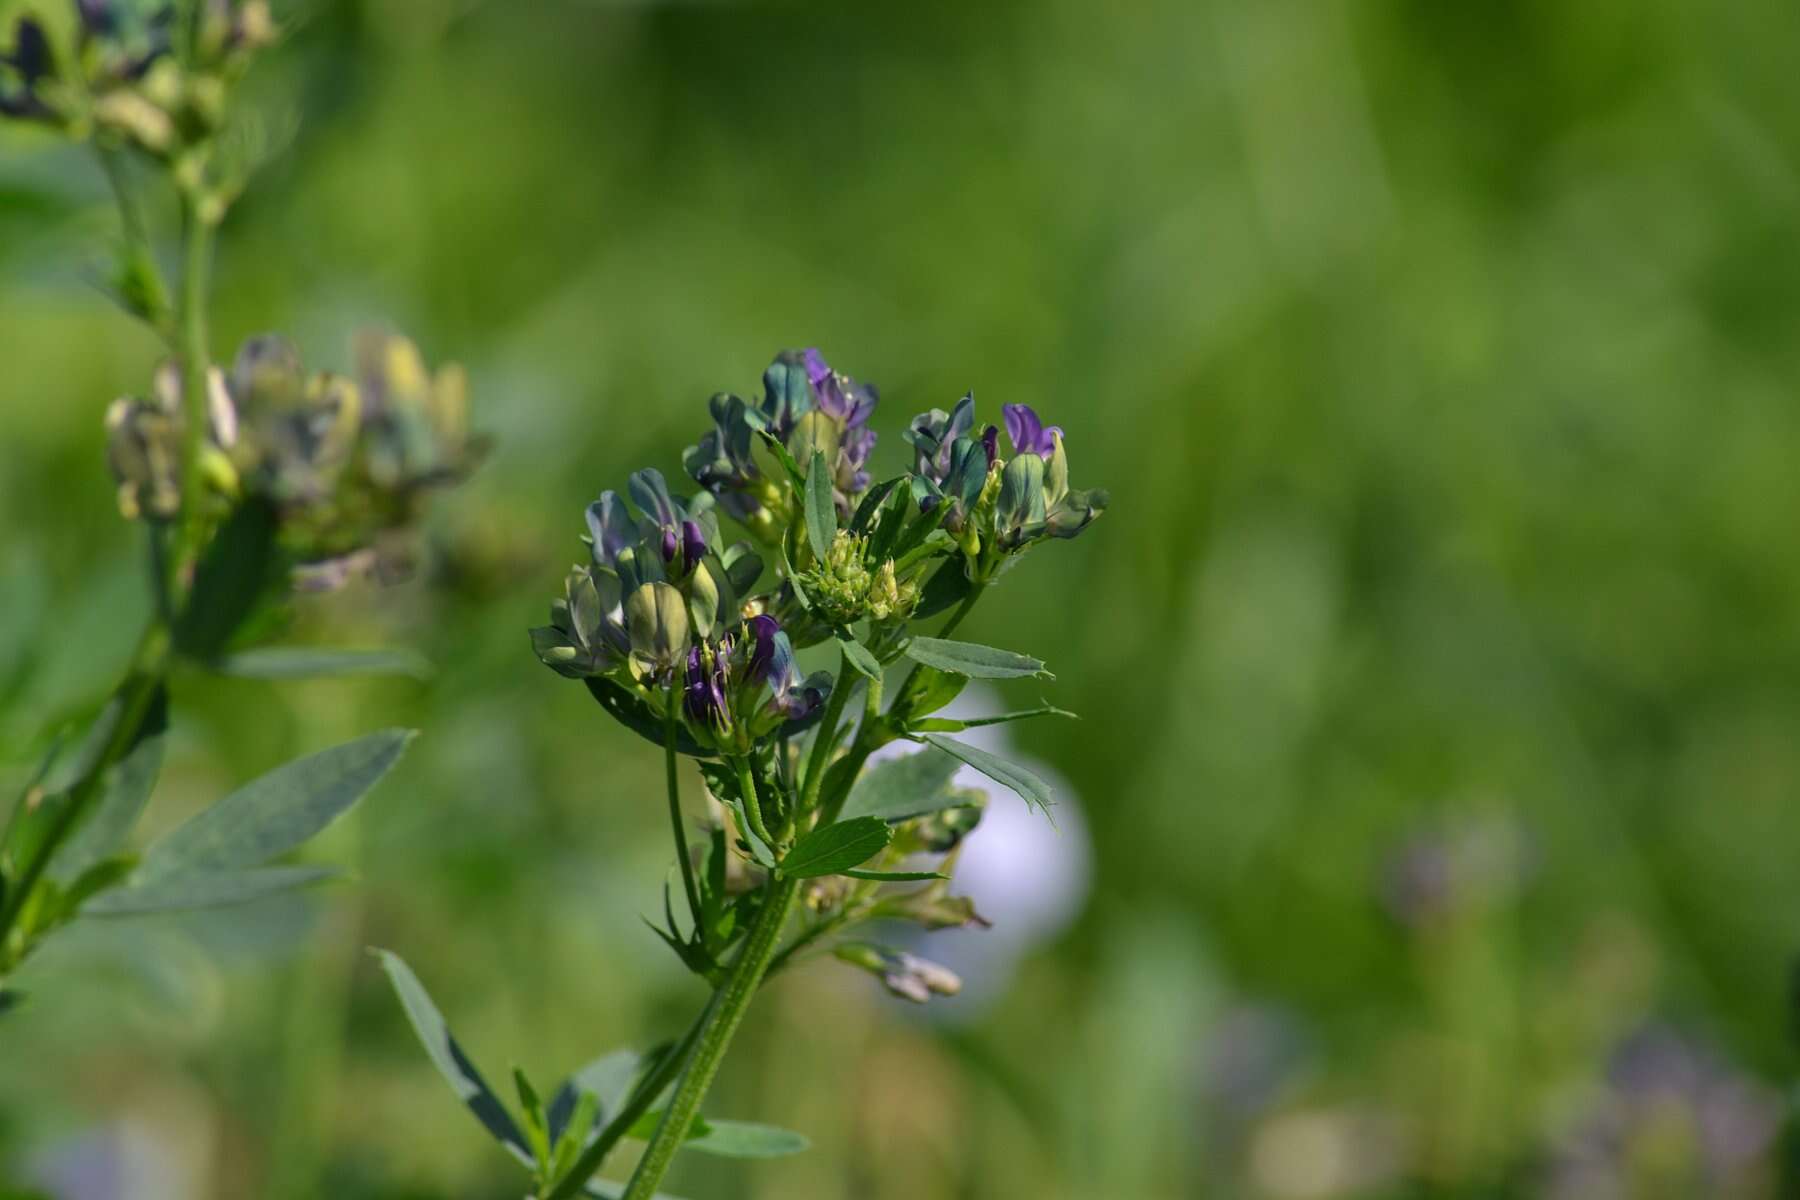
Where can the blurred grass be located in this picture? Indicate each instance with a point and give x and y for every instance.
(1441, 363)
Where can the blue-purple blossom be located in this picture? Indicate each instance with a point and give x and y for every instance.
(762, 629)
(933, 434)
(1029, 434)
(703, 696)
(849, 404)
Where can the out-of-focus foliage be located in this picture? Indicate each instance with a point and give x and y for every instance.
(1438, 660)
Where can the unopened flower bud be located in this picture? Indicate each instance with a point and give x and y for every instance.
(657, 618)
(905, 975)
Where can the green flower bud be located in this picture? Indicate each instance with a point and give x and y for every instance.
(814, 431)
(889, 599)
(657, 617)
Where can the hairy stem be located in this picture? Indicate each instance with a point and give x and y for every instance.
(723, 1015)
(752, 804)
(196, 234)
(671, 723)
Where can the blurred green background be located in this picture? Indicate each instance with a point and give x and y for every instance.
(1439, 655)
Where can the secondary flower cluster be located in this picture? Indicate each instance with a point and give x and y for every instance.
(344, 461)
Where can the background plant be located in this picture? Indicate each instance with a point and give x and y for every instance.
(248, 483)
(1438, 360)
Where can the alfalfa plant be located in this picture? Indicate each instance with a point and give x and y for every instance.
(690, 642)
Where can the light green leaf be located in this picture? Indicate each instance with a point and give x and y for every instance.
(833, 848)
(908, 786)
(448, 1057)
(975, 661)
(821, 509)
(203, 889)
(953, 725)
(276, 812)
(859, 656)
(1031, 789)
(745, 1139)
(310, 662)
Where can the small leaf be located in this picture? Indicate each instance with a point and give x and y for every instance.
(608, 1079)
(894, 876)
(278, 811)
(975, 661)
(821, 509)
(1030, 788)
(834, 848)
(952, 725)
(310, 662)
(947, 587)
(462, 1076)
(784, 456)
(858, 656)
(203, 889)
(744, 1139)
(644, 1128)
(908, 786)
(535, 1128)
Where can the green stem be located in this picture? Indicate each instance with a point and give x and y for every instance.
(196, 233)
(671, 723)
(962, 610)
(752, 804)
(826, 738)
(722, 1018)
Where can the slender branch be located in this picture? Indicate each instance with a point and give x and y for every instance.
(962, 610)
(196, 232)
(752, 804)
(671, 723)
(723, 1016)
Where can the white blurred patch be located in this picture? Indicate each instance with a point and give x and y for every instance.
(1030, 878)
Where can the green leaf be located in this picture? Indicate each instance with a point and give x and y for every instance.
(784, 456)
(858, 656)
(833, 848)
(608, 1079)
(910, 785)
(925, 690)
(310, 662)
(535, 1128)
(276, 812)
(821, 509)
(894, 876)
(237, 569)
(1030, 788)
(203, 889)
(952, 725)
(745, 1139)
(448, 1057)
(975, 661)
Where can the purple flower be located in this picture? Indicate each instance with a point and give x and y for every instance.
(763, 629)
(1028, 433)
(990, 443)
(693, 542)
(839, 396)
(934, 434)
(703, 696)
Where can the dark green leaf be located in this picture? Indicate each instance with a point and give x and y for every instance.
(907, 786)
(821, 509)
(945, 589)
(975, 661)
(834, 848)
(871, 501)
(631, 712)
(276, 812)
(203, 889)
(1030, 788)
(894, 876)
(310, 662)
(238, 567)
(461, 1074)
